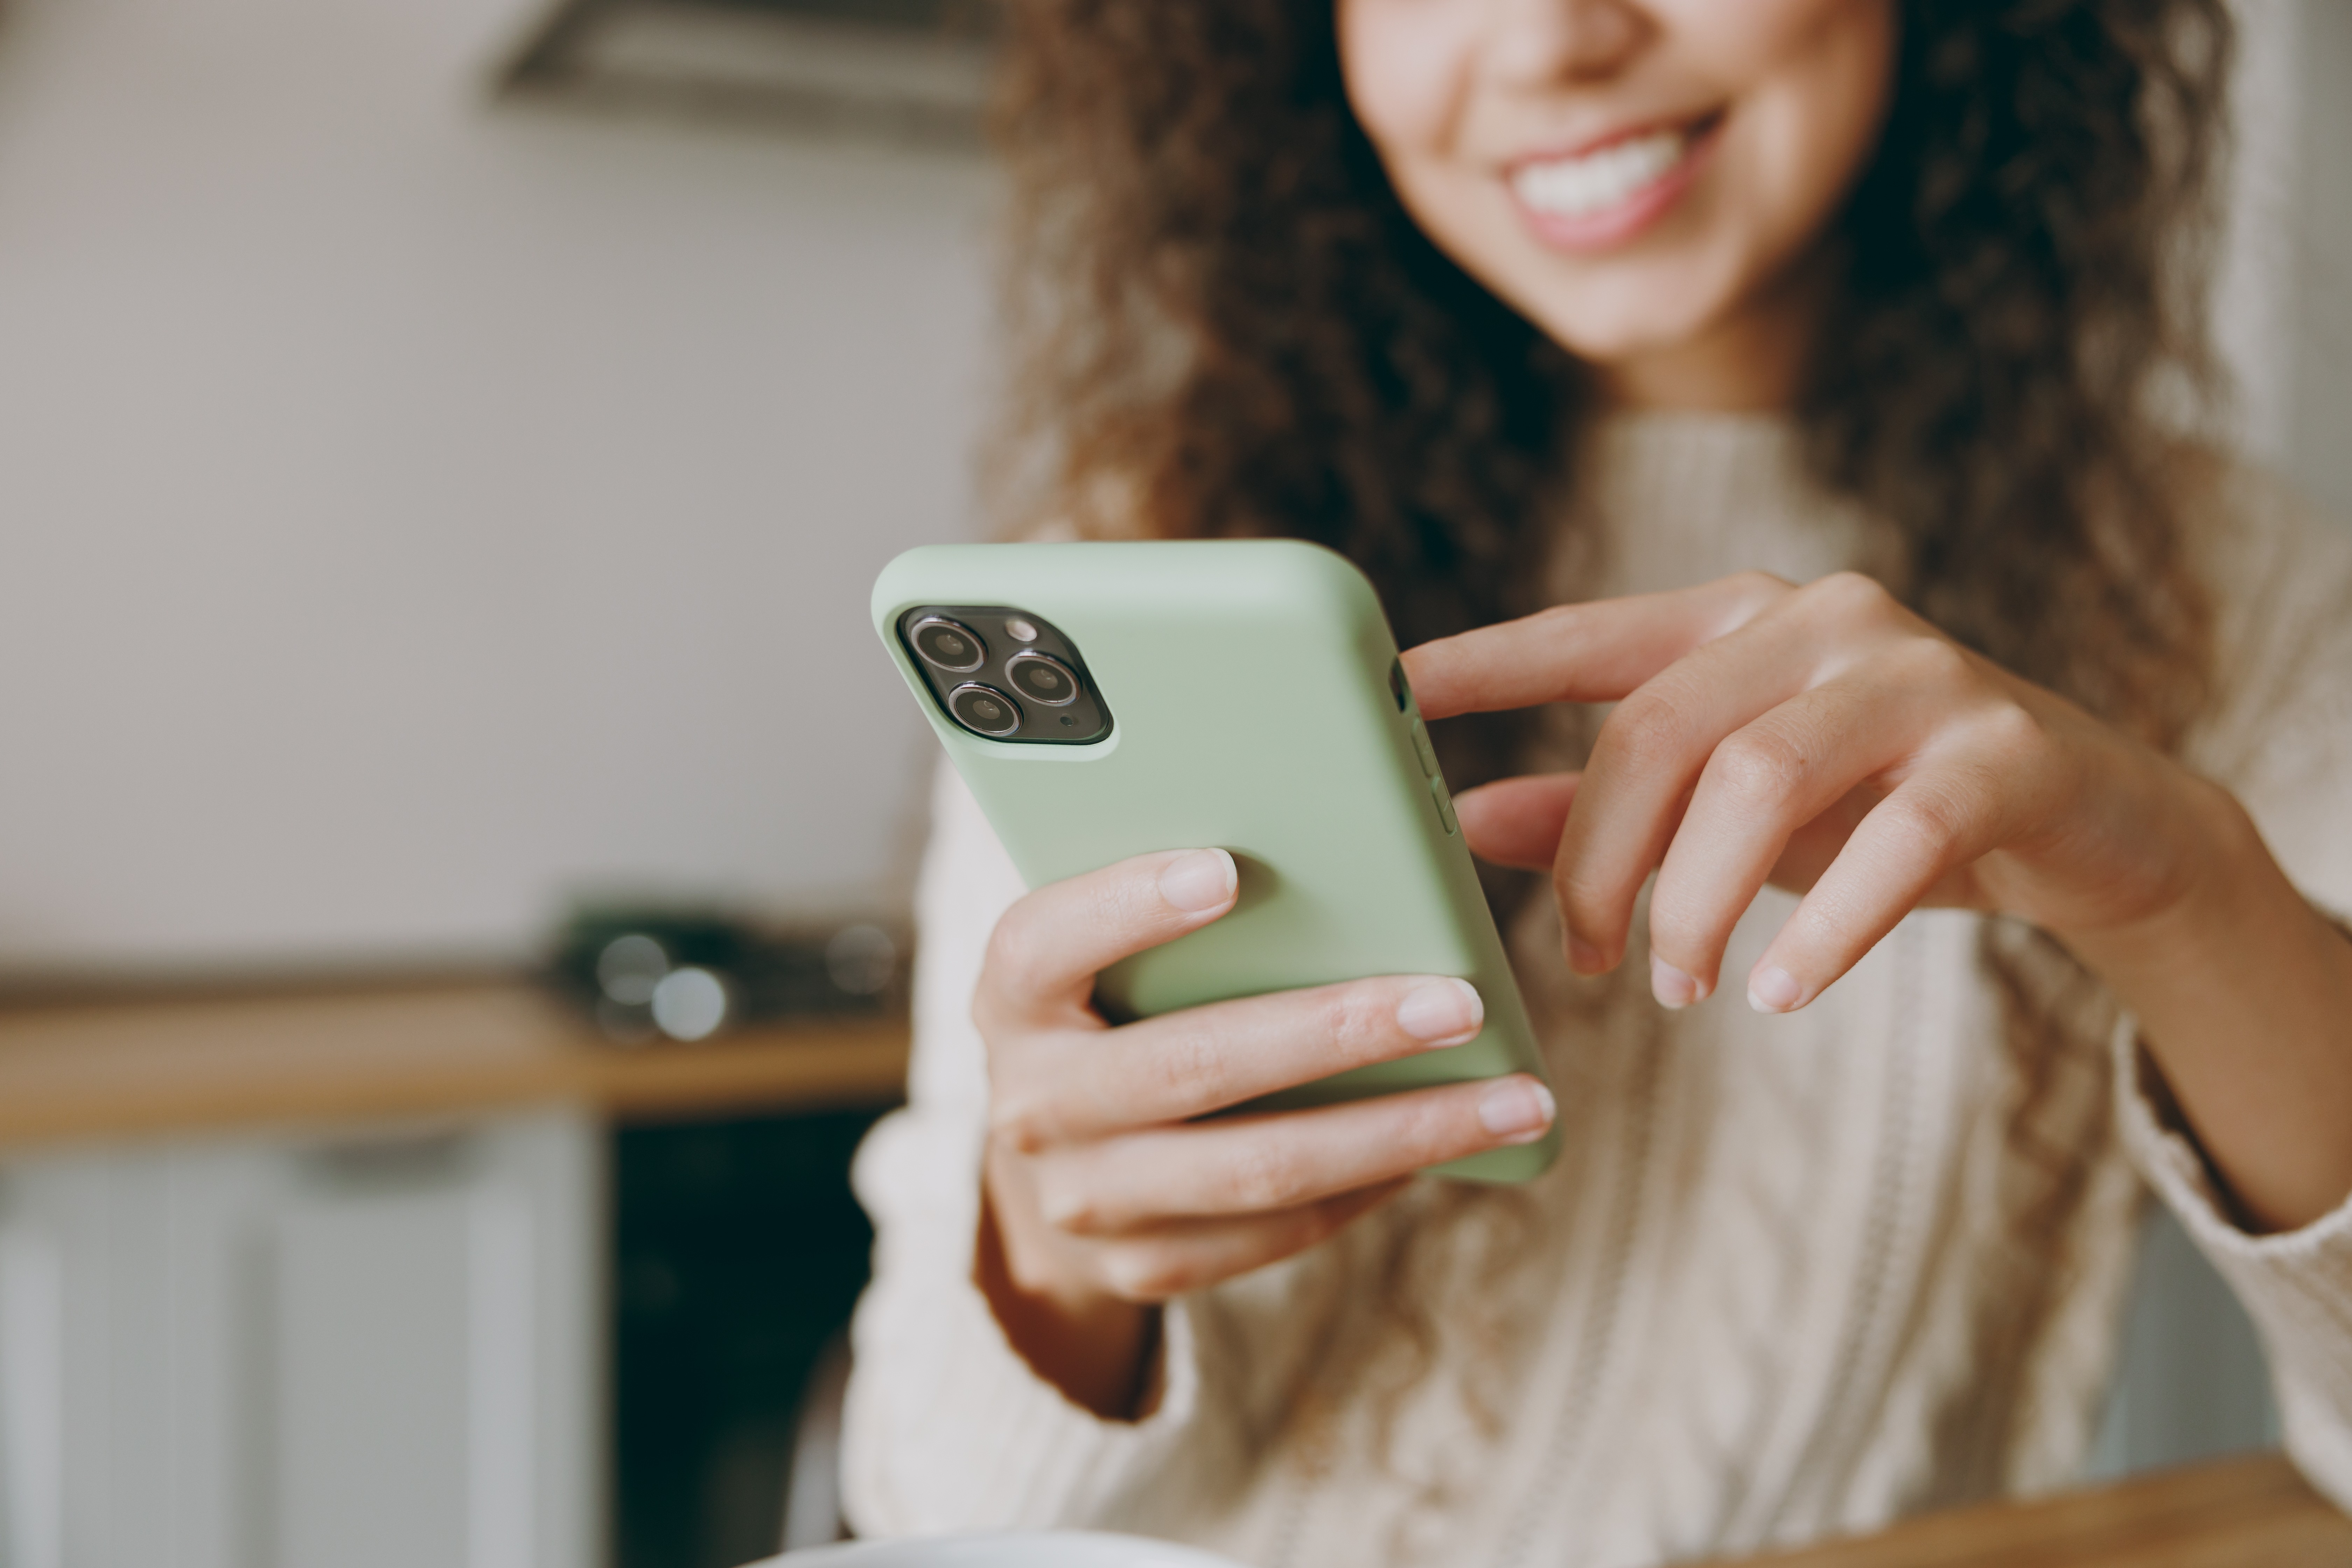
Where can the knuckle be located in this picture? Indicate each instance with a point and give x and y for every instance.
(1433, 1128)
(1019, 1122)
(1757, 589)
(1933, 662)
(1649, 728)
(1419, 1128)
(1146, 1271)
(1352, 1019)
(1558, 620)
(1852, 597)
(2011, 732)
(1927, 821)
(1265, 1175)
(1127, 903)
(1758, 764)
(1067, 1205)
(997, 1025)
(1012, 954)
(1186, 1063)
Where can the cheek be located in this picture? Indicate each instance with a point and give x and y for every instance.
(1810, 115)
(1406, 64)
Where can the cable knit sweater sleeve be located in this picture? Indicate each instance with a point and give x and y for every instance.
(949, 1428)
(2283, 741)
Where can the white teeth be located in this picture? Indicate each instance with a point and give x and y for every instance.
(1578, 187)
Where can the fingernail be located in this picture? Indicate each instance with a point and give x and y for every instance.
(1671, 986)
(1584, 957)
(1441, 1012)
(1774, 991)
(1516, 1109)
(1200, 879)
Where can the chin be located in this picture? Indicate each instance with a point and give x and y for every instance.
(1620, 335)
(1647, 310)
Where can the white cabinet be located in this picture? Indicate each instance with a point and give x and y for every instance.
(364, 1348)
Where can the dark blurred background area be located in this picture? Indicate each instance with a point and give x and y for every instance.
(738, 1253)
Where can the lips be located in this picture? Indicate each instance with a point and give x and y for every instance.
(1604, 195)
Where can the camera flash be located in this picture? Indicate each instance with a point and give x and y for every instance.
(1020, 630)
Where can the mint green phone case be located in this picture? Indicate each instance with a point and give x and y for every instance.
(1252, 708)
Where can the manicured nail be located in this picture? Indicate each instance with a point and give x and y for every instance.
(1774, 991)
(1516, 1109)
(1198, 881)
(1584, 957)
(1441, 1012)
(1671, 986)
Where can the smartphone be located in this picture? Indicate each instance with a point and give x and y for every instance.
(1104, 699)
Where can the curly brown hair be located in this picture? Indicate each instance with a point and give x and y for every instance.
(1227, 325)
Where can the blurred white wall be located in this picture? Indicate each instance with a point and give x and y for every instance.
(2319, 254)
(2284, 311)
(411, 510)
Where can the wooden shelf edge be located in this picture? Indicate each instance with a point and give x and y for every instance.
(116, 1072)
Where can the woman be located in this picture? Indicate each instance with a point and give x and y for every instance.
(1827, 366)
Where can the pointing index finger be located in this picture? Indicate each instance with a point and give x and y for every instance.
(1595, 652)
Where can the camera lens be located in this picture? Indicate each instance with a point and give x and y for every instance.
(1042, 678)
(984, 710)
(951, 644)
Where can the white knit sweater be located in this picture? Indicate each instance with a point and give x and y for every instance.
(1778, 1286)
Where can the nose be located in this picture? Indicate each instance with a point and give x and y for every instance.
(1540, 43)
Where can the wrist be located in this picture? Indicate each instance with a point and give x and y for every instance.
(2240, 991)
(1098, 1349)
(2221, 872)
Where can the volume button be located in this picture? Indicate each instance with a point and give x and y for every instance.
(1444, 805)
(1421, 749)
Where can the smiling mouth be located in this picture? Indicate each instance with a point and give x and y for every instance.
(1587, 185)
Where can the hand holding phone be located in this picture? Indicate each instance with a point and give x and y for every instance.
(1106, 1189)
(1256, 985)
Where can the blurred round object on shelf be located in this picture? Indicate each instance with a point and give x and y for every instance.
(652, 972)
(690, 1003)
(630, 967)
(862, 960)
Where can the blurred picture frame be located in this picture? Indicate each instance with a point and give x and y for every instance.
(913, 72)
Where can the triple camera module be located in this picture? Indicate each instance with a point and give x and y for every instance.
(1004, 674)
